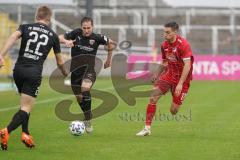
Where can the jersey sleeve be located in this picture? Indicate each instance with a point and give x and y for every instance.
(21, 28)
(71, 35)
(102, 40)
(56, 45)
(163, 53)
(186, 51)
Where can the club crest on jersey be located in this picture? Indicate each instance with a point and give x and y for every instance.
(174, 50)
(171, 57)
(91, 41)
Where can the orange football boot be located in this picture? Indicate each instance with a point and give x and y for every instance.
(4, 136)
(27, 140)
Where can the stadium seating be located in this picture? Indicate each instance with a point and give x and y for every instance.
(149, 12)
(8, 26)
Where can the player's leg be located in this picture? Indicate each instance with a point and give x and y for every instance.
(159, 89)
(87, 103)
(86, 97)
(88, 81)
(78, 88)
(178, 100)
(76, 82)
(28, 96)
(79, 98)
(151, 107)
(26, 103)
(150, 112)
(81, 86)
(27, 84)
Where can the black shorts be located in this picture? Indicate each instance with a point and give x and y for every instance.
(27, 79)
(77, 78)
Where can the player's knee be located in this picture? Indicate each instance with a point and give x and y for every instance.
(26, 108)
(86, 85)
(85, 89)
(153, 100)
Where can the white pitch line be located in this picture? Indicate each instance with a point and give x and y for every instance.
(37, 102)
(46, 101)
(56, 98)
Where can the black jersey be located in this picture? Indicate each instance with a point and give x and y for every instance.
(85, 46)
(37, 41)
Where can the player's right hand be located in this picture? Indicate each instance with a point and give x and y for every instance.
(154, 77)
(69, 43)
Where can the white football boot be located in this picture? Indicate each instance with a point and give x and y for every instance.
(145, 132)
(88, 126)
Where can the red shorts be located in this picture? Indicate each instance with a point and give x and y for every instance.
(166, 86)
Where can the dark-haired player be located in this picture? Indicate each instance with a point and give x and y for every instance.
(174, 73)
(84, 45)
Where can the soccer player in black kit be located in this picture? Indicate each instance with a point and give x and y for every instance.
(37, 40)
(84, 45)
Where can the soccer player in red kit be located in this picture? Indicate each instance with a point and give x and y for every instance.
(174, 73)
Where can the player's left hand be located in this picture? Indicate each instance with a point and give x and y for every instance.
(178, 90)
(107, 64)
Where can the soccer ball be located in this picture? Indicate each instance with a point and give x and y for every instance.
(77, 128)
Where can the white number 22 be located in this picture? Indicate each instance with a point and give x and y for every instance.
(39, 44)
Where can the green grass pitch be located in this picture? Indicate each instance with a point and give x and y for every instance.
(208, 129)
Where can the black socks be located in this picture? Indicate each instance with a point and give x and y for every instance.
(25, 123)
(86, 105)
(21, 117)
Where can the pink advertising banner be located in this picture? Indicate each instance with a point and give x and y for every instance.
(205, 67)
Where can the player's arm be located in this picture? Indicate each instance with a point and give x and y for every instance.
(110, 47)
(60, 64)
(69, 37)
(186, 57)
(9, 43)
(68, 43)
(58, 55)
(162, 66)
(186, 69)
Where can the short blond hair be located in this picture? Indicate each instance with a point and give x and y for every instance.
(43, 13)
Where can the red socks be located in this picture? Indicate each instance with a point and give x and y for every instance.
(151, 109)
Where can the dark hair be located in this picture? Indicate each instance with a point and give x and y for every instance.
(87, 19)
(173, 25)
(43, 13)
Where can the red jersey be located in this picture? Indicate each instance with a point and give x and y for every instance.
(175, 53)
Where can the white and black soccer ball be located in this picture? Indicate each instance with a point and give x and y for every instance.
(77, 128)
